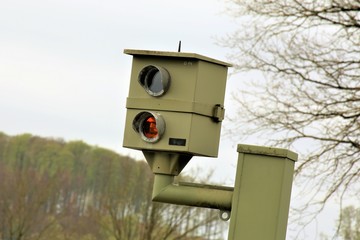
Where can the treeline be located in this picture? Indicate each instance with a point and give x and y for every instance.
(52, 189)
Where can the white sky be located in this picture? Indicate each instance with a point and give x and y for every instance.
(63, 72)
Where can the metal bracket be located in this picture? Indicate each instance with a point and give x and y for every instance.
(218, 113)
(191, 194)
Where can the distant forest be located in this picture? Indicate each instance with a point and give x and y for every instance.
(52, 189)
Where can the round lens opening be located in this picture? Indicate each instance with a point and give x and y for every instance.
(155, 80)
(150, 126)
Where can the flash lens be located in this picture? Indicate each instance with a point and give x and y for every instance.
(155, 80)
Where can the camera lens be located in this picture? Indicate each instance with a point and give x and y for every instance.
(150, 126)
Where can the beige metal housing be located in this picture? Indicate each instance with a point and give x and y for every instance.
(192, 107)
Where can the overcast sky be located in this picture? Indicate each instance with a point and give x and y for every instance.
(62, 68)
(63, 73)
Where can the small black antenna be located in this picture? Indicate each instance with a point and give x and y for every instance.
(179, 48)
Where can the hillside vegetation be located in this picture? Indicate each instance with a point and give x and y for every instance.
(52, 189)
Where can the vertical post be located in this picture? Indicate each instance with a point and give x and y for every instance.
(261, 199)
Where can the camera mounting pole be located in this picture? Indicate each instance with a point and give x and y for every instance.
(174, 112)
(258, 205)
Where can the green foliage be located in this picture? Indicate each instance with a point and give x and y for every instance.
(50, 189)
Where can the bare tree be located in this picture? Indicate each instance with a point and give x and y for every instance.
(24, 204)
(306, 58)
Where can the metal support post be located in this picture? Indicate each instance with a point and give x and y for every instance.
(261, 198)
